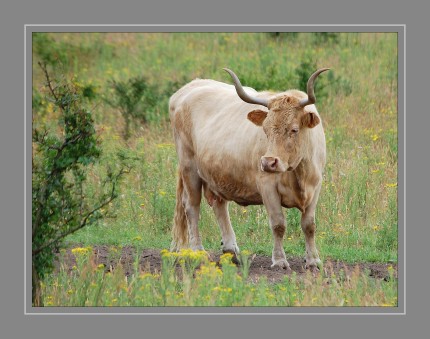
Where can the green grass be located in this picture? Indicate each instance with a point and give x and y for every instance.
(91, 285)
(357, 100)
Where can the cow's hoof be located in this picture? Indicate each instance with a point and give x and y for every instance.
(282, 263)
(314, 265)
(234, 258)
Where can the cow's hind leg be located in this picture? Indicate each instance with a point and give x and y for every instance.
(229, 244)
(191, 199)
(220, 208)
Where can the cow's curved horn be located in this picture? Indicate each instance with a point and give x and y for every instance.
(310, 89)
(241, 92)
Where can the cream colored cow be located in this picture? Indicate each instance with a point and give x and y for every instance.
(236, 144)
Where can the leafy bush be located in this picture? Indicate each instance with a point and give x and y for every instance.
(304, 71)
(325, 37)
(54, 52)
(133, 98)
(45, 47)
(60, 164)
(284, 35)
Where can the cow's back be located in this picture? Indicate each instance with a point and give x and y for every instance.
(212, 132)
(208, 115)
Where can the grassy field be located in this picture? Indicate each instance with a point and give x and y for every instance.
(357, 100)
(205, 283)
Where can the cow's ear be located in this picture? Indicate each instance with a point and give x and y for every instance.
(310, 119)
(257, 117)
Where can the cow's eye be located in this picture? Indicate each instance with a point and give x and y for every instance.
(295, 130)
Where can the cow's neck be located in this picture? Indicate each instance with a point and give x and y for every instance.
(303, 170)
(304, 177)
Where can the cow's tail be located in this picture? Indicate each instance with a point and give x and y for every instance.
(180, 226)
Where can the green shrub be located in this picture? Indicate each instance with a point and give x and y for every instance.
(60, 164)
(51, 51)
(304, 71)
(134, 98)
(284, 35)
(47, 50)
(325, 37)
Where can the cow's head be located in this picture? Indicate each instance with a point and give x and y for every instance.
(290, 114)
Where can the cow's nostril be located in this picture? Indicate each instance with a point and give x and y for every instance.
(274, 163)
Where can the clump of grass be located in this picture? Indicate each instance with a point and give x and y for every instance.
(189, 278)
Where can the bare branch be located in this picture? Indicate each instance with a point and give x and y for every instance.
(49, 85)
(85, 219)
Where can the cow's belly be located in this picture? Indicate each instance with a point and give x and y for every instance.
(231, 186)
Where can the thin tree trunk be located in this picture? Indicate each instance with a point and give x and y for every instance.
(36, 288)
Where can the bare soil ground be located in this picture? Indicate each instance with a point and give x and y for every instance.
(150, 261)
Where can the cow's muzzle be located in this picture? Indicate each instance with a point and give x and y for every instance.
(272, 164)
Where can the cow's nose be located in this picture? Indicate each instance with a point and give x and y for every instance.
(269, 164)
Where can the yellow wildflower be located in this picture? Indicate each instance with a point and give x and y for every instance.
(81, 250)
(145, 275)
(226, 255)
(246, 252)
(165, 145)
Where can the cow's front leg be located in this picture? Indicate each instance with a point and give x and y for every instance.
(313, 261)
(273, 206)
(309, 227)
(277, 224)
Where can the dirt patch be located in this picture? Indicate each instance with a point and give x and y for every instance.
(149, 260)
